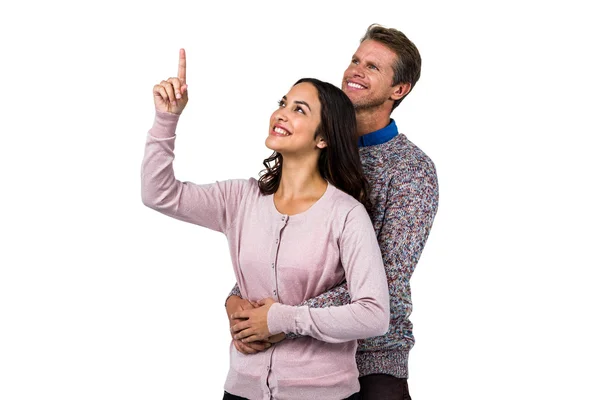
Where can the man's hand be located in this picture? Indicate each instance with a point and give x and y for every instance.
(275, 338)
(254, 326)
(233, 305)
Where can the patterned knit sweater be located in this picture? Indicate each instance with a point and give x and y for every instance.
(404, 192)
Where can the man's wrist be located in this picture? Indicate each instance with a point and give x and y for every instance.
(231, 298)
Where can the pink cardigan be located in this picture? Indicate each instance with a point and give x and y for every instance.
(290, 258)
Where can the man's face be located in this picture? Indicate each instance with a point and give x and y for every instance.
(368, 79)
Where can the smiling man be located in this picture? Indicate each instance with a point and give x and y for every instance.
(383, 70)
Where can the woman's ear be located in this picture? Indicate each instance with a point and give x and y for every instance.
(321, 143)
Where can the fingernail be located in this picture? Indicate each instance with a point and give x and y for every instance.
(268, 345)
(178, 95)
(173, 102)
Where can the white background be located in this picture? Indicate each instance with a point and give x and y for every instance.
(103, 298)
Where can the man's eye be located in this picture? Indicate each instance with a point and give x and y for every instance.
(372, 67)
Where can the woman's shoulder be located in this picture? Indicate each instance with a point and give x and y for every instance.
(350, 215)
(237, 189)
(249, 184)
(343, 201)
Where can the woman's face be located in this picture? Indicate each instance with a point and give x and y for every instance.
(293, 125)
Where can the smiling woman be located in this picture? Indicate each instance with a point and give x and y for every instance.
(333, 131)
(298, 231)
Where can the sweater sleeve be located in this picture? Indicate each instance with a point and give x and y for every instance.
(368, 312)
(411, 206)
(234, 292)
(213, 206)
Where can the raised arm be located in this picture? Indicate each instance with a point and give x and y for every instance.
(211, 205)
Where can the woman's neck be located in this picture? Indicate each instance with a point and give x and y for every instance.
(300, 182)
(300, 187)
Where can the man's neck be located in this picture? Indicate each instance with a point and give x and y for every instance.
(371, 120)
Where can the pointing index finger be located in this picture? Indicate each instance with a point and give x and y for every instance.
(181, 72)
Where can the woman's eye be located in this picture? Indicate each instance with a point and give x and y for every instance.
(300, 110)
(281, 103)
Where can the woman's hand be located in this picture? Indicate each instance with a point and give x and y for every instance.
(255, 327)
(172, 95)
(233, 304)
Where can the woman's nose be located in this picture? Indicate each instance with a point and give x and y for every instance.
(281, 115)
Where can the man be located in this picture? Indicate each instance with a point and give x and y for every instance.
(384, 69)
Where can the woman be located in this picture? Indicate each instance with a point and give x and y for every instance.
(298, 231)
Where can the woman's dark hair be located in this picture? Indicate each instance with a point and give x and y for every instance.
(339, 162)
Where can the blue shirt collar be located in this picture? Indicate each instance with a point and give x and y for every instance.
(380, 136)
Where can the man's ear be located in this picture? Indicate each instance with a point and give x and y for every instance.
(400, 90)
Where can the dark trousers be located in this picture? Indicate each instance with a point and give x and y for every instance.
(372, 387)
(383, 387)
(228, 396)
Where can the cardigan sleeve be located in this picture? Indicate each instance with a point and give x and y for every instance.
(368, 312)
(213, 206)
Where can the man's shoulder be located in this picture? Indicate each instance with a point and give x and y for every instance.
(397, 158)
(411, 157)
